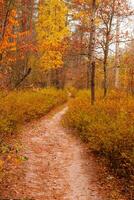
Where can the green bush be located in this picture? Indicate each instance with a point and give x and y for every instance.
(22, 106)
(108, 127)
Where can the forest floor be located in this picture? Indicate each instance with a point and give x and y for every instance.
(59, 165)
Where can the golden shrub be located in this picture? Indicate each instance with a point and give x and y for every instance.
(22, 106)
(108, 127)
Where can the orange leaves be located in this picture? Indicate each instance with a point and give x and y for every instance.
(79, 1)
(14, 43)
(26, 43)
(8, 42)
(22, 35)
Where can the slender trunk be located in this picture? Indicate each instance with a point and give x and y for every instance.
(23, 78)
(105, 69)
(132, 81)
(105, 79)
(93, 83)
(49, 83)
(117, 55)
(91, 66)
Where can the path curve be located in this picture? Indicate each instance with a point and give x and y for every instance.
(59, 165)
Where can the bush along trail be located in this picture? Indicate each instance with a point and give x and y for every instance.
(20, 107)
(108, 129)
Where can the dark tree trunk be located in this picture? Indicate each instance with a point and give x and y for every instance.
(105, 80)
(91, 66)
(23, 78)
(93, 83)
(105, 66)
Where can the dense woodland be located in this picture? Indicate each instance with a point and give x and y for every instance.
(53, 44)
(75, 51)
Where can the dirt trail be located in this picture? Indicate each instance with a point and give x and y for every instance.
(59, 166)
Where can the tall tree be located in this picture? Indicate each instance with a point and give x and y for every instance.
(51, 32)
(117, 53)
(5, 11)
(91, 52)
(107, 35)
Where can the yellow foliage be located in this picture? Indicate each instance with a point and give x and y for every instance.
(51, 30)
(20, 107)
(108, 127)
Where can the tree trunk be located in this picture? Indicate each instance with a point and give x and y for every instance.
(105, 79)
(49, 82)
(105, 69)
(23, 78)
(93, 83)
(131, 81)
(117, 55)
(91, 66)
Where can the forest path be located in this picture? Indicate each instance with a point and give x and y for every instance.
(59, 165)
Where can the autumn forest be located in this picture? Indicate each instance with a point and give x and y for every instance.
(66, 99)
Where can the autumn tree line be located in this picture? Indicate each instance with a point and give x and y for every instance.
(81, 43)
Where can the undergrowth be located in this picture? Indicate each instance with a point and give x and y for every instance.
(16, 109)
(22, 106)
(108, 127)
